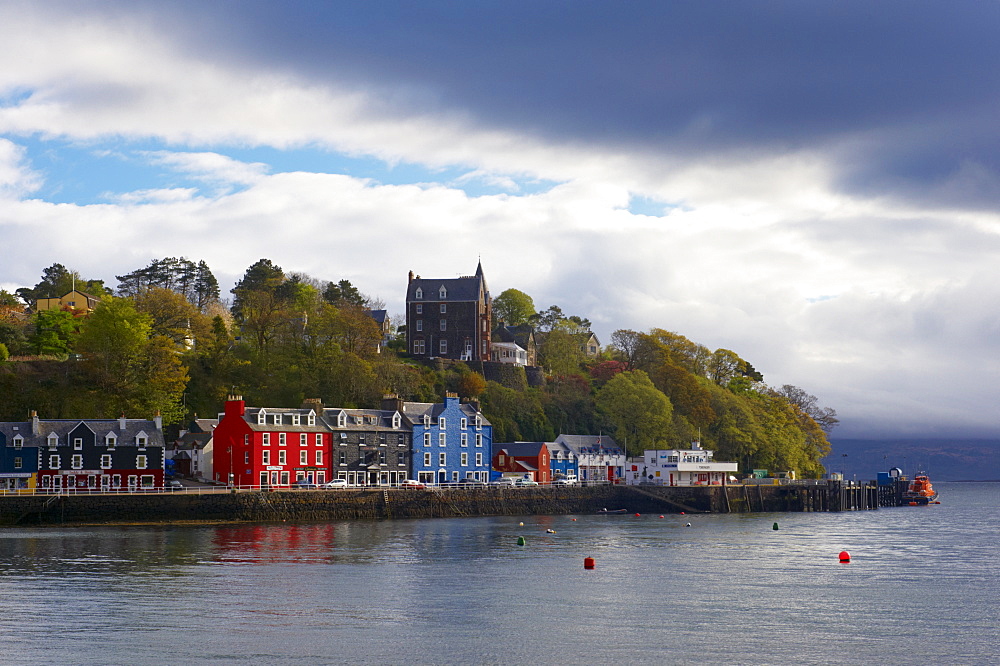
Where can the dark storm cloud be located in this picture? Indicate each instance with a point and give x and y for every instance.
(905, 92)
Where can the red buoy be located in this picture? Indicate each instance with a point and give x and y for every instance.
(845, 556)
(661, 516)
(588, 563)
(636, 515)
(682, 513)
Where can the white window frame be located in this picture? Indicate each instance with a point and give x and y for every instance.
(282, 457)
(444, 308)
(265, 458)
(265, 439)
(296, 419)
(319, 457)
(479, 459)
(420, 325)
(464, 423)
(442, 293)
(319, 439)
(465, 439)
(78, 445)
(420, 308)
(76, 462)
(442, 346)
(442, 439)
(427, 459)
(465, 459)
(442, 459)
(419, 293)
(282, 439)
(479, 439)
(54, 462)
(141, 461)
(443, 325)
(427, 439)
(106, 461)
(303, 457)
(441, 422)
(310, 419)
(262, 417)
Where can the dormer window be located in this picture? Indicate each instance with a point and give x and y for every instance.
(261, 417)
(140, 441)
(359, 420)
(111, 441)
(296, 419)
(53, 440)
(442, 293)
(18, 441)
(427, 420)
(277, 419)
(419, 293)
(342, 420)
(396, 420)
(479, 422)
(311, 419)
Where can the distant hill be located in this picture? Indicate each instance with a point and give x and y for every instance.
(942, 459)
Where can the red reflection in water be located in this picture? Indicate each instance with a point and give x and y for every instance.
(270, 544)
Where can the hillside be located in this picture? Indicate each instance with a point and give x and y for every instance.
(942, 459)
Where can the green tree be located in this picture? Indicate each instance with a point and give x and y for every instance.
(55, 332)
(636, 412)
(513, 307)
(57, 281)
(343, 292)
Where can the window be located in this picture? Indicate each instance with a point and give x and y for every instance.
(420, 308)
(418, 346)
(381, 439)
(311, 419)
(443, 347)
(53, 440)
(479, 439)
(319, 457)
(17, 463)
(343, 458)
(396, 420)
(319, 439)
(442, 293)
(140, 462)
(106, 461)
(444, 308)
(442, 439)
(303, 457)
(304, 439)
(465, 459)
(479, 422)
(282, 457)
(284, 478)
(116, 480)
(443, 459)
(296, 419)
(265, 458)
(420, 325)
(18, 442)
(419, 293)
(342, 420)
(443, 324)
(454, 476)
(246, 457)
(479, 460)
(246, 440)
(140, 441)
(265, 439)
(427, 460)
(281, 439)
(361, 438)
(464, 423)
(54, 462)
(77, 443)
(381, 457)
(277, 419)
(427, 439)
(465, 439)
(441, 423)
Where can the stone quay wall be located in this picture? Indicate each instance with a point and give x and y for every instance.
(375, 504)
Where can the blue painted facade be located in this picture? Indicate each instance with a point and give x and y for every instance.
(451, 441)
(18, 461)
(563, 461)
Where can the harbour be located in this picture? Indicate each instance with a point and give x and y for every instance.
(727, 589)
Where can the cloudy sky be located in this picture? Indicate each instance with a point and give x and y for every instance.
(812, 185)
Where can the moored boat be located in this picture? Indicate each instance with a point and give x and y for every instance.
(920, 491)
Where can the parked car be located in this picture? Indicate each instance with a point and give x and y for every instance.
(504, 481)
(174, 484)
(303, 484)
(335, 483)
(412, 483)
(526, 482)
(564, 481)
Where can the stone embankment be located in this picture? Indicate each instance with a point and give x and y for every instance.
(374, 504)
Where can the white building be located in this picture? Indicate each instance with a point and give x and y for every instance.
(510, 353)
(678, 467)
(599, 458)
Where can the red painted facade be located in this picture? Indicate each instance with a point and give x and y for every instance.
(270, 448)
(526, 458)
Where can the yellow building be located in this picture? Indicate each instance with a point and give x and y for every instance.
(76, 300)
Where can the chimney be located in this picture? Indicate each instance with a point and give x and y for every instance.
(392, 403)
(121, 422)
(158, 420)
(235, 406)
(314, 404)
(35, 426)
(411, 277)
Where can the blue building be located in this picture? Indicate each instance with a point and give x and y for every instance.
(563, 461)
(18, 458)
(451, 441)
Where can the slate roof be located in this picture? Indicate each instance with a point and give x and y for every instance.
(589, 443)
(372, 419)
(415, 411)
(466, 288)
(519, 449)
(100, 427)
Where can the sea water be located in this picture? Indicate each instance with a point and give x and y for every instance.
(922, 586)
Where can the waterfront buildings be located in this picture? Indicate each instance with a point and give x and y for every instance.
(679, 467)
(451, 440)
(81, 454)
(523, 459)
(598, 457)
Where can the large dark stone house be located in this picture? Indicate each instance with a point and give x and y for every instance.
(449, 318)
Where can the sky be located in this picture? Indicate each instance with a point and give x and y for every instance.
(814, 186)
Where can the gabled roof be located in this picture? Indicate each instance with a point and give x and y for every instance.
(372, 419)
(520, 449)
(466, 288)
(589, 443)
(101, 428)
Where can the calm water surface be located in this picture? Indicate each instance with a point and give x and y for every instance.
(923, 586)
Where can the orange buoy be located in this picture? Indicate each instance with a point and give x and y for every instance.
(845, 556)
(588, 563)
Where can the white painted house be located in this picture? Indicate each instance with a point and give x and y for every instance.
(678, 467)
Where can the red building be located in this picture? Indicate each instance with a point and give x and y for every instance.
(265, 447)
(531, 458)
